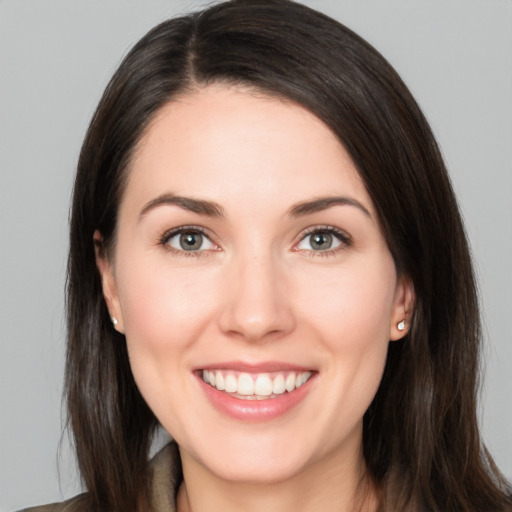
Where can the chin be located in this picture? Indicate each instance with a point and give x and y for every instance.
(260, 471)
(250, 458)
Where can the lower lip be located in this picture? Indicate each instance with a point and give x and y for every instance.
(255, 410)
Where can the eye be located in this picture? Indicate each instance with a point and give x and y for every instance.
(188, 240)
(323, 239)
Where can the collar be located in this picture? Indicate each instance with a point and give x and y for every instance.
(165, 468)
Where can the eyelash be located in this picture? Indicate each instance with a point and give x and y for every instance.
(344, 239)
(164, 241)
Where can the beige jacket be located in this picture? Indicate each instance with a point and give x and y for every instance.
(163, 488)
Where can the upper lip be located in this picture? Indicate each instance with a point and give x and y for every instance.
(262, 367)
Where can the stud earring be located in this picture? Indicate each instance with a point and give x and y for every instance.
(401, 325)
(114, 320)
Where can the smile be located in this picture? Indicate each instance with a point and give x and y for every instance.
(255, 386)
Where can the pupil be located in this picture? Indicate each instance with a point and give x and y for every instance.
(191, 241)
(321, 241)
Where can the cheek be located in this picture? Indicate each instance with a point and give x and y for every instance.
(157, 299)
(353, 306)
(164, 312)
(350, 313)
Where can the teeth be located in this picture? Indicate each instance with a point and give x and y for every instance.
(302, 379)
(263, 385)
(278, 386)
(231, 384)
(219, 381)
(289, 384)
(257, 386)
(245, 385)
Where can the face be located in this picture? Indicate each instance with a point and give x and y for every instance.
(254, 286)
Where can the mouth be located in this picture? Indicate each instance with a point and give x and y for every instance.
(255, 386)
(256, 392)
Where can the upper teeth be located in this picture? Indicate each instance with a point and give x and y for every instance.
(260, 384)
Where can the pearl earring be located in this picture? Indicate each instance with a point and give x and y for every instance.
(401, 325)
(114, 320)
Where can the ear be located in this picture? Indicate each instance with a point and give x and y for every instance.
(108, 282)
(402, 309)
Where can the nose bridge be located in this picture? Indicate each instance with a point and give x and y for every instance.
(257, 303)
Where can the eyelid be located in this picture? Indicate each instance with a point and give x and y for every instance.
(170, 233)
(343, 237)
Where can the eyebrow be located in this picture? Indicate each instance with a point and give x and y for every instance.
(323, 203)
(212, 209)
(200, 206)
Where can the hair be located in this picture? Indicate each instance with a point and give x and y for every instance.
(421, 442)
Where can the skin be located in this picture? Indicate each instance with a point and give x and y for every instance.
(256, 291)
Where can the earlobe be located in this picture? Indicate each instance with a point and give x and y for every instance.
(108, 282)
(402, 309)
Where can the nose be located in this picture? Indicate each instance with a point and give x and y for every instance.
(257, 304)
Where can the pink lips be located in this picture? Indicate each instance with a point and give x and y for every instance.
(254, 410)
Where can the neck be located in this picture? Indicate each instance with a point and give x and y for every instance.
(327, 486)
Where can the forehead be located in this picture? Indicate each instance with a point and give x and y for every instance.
(223, 142)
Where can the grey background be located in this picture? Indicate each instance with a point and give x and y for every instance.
(55, 59)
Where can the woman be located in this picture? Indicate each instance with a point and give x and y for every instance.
(300, 315)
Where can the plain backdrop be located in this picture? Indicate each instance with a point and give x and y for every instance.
(56, 57)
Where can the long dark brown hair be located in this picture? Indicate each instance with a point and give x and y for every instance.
(421, 442)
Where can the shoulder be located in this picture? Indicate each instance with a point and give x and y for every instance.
(79, 503)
